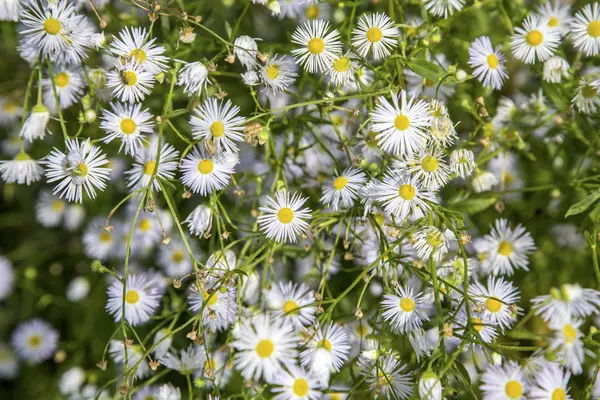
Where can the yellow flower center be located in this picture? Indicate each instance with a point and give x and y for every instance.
(341, 64)
(272, 71)
(34, 340)
(316, 45)
(313, 12)
(205, 167)
(213, 298)
(535, 38)
(335, 396)
(57, 205)
(285, 215)
(340, 182)
(493, 305)
(559, 394)
(290, 307)
(325, 344)
(553, 22)
(83, 169)
(61, 79)
(402, 122)
(145, 225)
(434, 238)
(569, 333)
(217, 129)
(407, 192)
(477, 325)
(300, 387)
(492, 61)
(52, 26)
(407, 305)
(594, 28)
(178, 256)
(362, 330)
(505, 248)
(149, 167)
(374, 34)
(265, 348)
(139, 55)
(513, 389)
(430, 164)
(132, 296)
(105, 237)
(589, 91)
(128, 126)
(130, 78)
(209, 364)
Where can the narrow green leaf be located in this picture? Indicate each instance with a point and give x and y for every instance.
(426, 69)
(584, 204)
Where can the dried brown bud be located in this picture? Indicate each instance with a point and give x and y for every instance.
(103, 24)
(221, 94)
(109, 228)
(465, 238)
(60, 356)
(358, 313)
(447, 330)
(153, 365)
(176, 283)
(393, 232)
(225, 235)
(499, 206)
(480, 101)
(102, 364)
(192, 335)
(128, 343)
(212, 67)
(251, 131)
(263, 57)
(124, 390)
(348, 256)
(166, 240)
(198, 19)
(187, 194)
(230, 58)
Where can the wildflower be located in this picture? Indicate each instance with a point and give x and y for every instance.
(283, 217)
(319, 45)
(376, 34)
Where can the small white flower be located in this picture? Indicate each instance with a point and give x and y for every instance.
(218, 123)
(384, 375)
(342, 69)
(142, 298)
(246, 50)
(586, 29)
(507, 248)
(558, 15)
(78, 289)
(431, 242)
(462, 162)
(278, 73)
(283, 217)
(556, 69)
(443, 8)
(376, 34)
(194, 78)
(326, 351)
(127, 122)
(35, 341)
(69, 84)
(344, 189)
(497, 299)
(587, 95)
(483, 181)
(488, 63)
(535, 41)
(35, 125)
(505, 382)
(71, 380)
(319, 45)
(199, 221)
(429, 167)
(21, 170)
(130, 82)
(430, 387)
(297, 384)
(404, 311)
(187, 361)
(292, 303)
(217, 303)
(567, 342)
(205, 174)
(550, 382)
(145, 165)
(136, 44)
(7, 282)
(570, 299)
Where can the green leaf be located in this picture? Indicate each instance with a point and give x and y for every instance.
(474, 206)
(176, 113)
(464, 373)
(584, 204)
(426, 69)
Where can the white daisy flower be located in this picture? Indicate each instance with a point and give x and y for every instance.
(250, 78)
(205, 174)
(319, 45)
(136, 44)
(71, 380)
(10, 111)
(535, 41)
(401, 127)
(498, 300)
(263, 347)
(504, 382)
(35, 124)
(326, 350)
(507, 248)
(8, 278)
(127, 122)
(431, 242)
(376, 34)
(442, 130)
(49, 209)
(430, 386)
(586, 29)
(483, 180)
(556, 69)
(217, 367)
(10, 10)
(342, 69)
(570, 299)
(129, 81)
(194, 78)
(482, 324)
(98, 243)
(297, 384)
(283, 217)
(199, 221)
(292, 302)
(9, 366)
(567, 342)
(558, 15)
(135, 353)
(587, 95)
(246, 50)
(35, 341)
(174, 259)
(344, 189)
(404, 311)
(550, 383)
(385, 377)
(216, 301)
(488, 63)
(145, 165)
(21, 170)
(443, 8)
(80, 168)
(462, 163)
(69, 83)
(78, 289)
(218, 123)
(186, 361)
(141, 299)
(402, 196)
(429, 167)
(278, 73)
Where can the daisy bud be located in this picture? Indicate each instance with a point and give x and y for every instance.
(153, 365)
(98, 40)
(187, 35)
(21, 170)
(274, 7)
(461, 75)
(430, 387)
(35, 125)
(89, 115)
(246, 50)
(102, 364)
